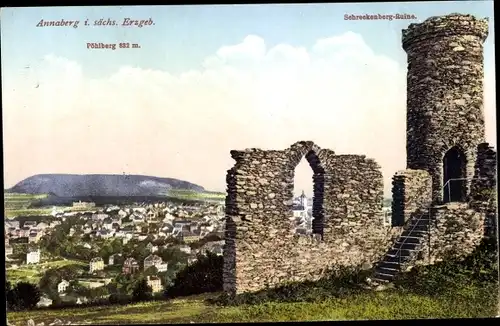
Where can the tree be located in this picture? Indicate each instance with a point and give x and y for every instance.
(201, 277)
(116, 245)
(160, 242)
(23, 296)
(12, 300)
(48, 282)
(106, 251)
(151, 271)
(125, 283)
(99, 292)
(173, 255)
(77, 289)
(142, 291)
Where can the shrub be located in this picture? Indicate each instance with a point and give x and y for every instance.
(479, 268)
(121, 299)
(339, 283)
(23, 296)
(204, 276)
(142, 291)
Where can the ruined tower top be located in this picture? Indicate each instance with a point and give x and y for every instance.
(445, 118)
(442, 26)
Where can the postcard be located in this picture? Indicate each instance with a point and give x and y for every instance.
(249, 163)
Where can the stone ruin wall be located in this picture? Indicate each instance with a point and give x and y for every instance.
(411, 192)
(457, 228)
(455, 232)
(444, 110)
(444, 92)
(486, 182)
(261, 247)
(485, 171)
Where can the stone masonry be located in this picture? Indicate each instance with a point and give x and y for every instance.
(485, 171)
(444, 92)
(483, 188)
(411, 192)
(445, 137)
(456, 231)
(261, 246)
(445, 140)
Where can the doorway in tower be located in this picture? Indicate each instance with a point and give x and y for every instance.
(306, 213)
(454, 175)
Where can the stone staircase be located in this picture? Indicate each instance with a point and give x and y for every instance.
(405, 250)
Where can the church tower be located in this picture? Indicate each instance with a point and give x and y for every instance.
(303, 201)
(445, 119)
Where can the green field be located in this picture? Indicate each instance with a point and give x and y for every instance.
(388, 304)
(33, 273)
(194, 195)
(23, 275)
(20, 201)
(12, 213)
(17, 204)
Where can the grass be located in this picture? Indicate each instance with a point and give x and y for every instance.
(12, 213)
(46, 211)
(16, 201)
(390, 304)
(16, 204)
(23, 275)
(90, 284)
(195, 195)
(62, 263)
(19, 196)
(33, 273)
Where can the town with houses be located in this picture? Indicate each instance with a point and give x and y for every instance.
(156, 228)
(161, 239)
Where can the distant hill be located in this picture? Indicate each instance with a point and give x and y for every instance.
(75, 185)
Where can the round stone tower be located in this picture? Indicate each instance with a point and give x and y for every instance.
(445, 119)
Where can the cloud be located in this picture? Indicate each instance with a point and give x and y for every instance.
(339, 93)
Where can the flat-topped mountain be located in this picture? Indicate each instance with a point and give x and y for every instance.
(78, 185)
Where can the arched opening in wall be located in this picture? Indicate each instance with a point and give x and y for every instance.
(454, 175)
(308, 196)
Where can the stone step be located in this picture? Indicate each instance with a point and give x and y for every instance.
(414, 233)
(390, 264)
(418, 227)
(395, 259)
(383, 276)
(406, 245)
(416, 240)
(396, 252)
(422, 221)
(379, 280)
(388, 270)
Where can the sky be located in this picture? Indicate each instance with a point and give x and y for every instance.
(207, 80)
